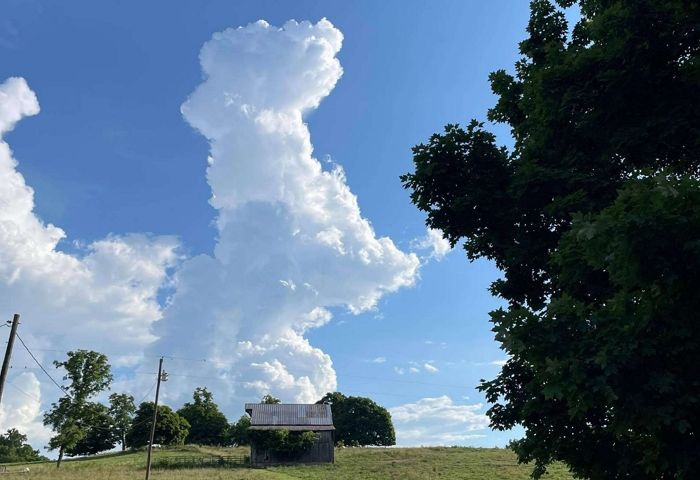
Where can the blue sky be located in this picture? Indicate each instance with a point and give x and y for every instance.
(110, 154)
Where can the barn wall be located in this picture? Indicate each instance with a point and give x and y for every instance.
(322, 451)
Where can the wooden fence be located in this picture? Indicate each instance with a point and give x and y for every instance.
(232, 461)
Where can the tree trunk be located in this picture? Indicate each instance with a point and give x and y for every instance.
(123, 442)
(60, 457)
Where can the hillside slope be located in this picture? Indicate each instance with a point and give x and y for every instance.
(351, 464)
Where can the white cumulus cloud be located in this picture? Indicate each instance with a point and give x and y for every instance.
(434, 243)
(292, 243)
(429, 367)
(437, 421)
(21, 409)
(104, 299)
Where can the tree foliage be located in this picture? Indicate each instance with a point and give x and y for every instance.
(121, 408)
(592, 217)
(171, 428)
(283, 443)
(208, 426)
(238, 432)
(65, 417)
(88, 373)
(100, 433)
(269, 399)
(14, 448)
(359, 420)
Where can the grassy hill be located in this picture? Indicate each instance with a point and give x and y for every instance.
(351, 464)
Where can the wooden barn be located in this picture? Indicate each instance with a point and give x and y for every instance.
(295, 418)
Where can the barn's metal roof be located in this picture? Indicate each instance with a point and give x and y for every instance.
(288, 414)
(293, 428)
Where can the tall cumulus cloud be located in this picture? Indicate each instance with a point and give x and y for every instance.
(292, 243)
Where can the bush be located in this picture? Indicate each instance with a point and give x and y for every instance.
(283, 443)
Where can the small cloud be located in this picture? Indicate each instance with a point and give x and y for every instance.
(435, 243)
(413, 370)
(399, 370)
(378, 360)
(497, 363)
(430, 368)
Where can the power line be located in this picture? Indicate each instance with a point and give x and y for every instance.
(114, 354)
(218, 363)
(147, 393)
(41, 366)
(23, 392)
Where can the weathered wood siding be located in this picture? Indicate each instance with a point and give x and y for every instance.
(322, 451)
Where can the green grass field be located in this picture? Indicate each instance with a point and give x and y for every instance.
(351, 464)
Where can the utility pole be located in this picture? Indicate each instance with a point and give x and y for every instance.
(8, 353)
(162, 377)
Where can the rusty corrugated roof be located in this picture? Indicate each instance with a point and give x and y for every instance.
(287, 414)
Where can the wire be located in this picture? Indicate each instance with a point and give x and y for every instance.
(22, 391)
(41, 366)
(148, 392)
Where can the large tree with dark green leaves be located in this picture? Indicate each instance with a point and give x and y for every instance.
(87, 373)
(100, 432)
(171, 428)
(592, 217)
(360, 420)
(208, 425)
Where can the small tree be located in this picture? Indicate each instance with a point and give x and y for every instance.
(269, 399)
(239, 433)
(360, 420)
(14, 448)
(208, 426)
(171, 428)
(88, 373)
(121, 408)
(65, 418)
